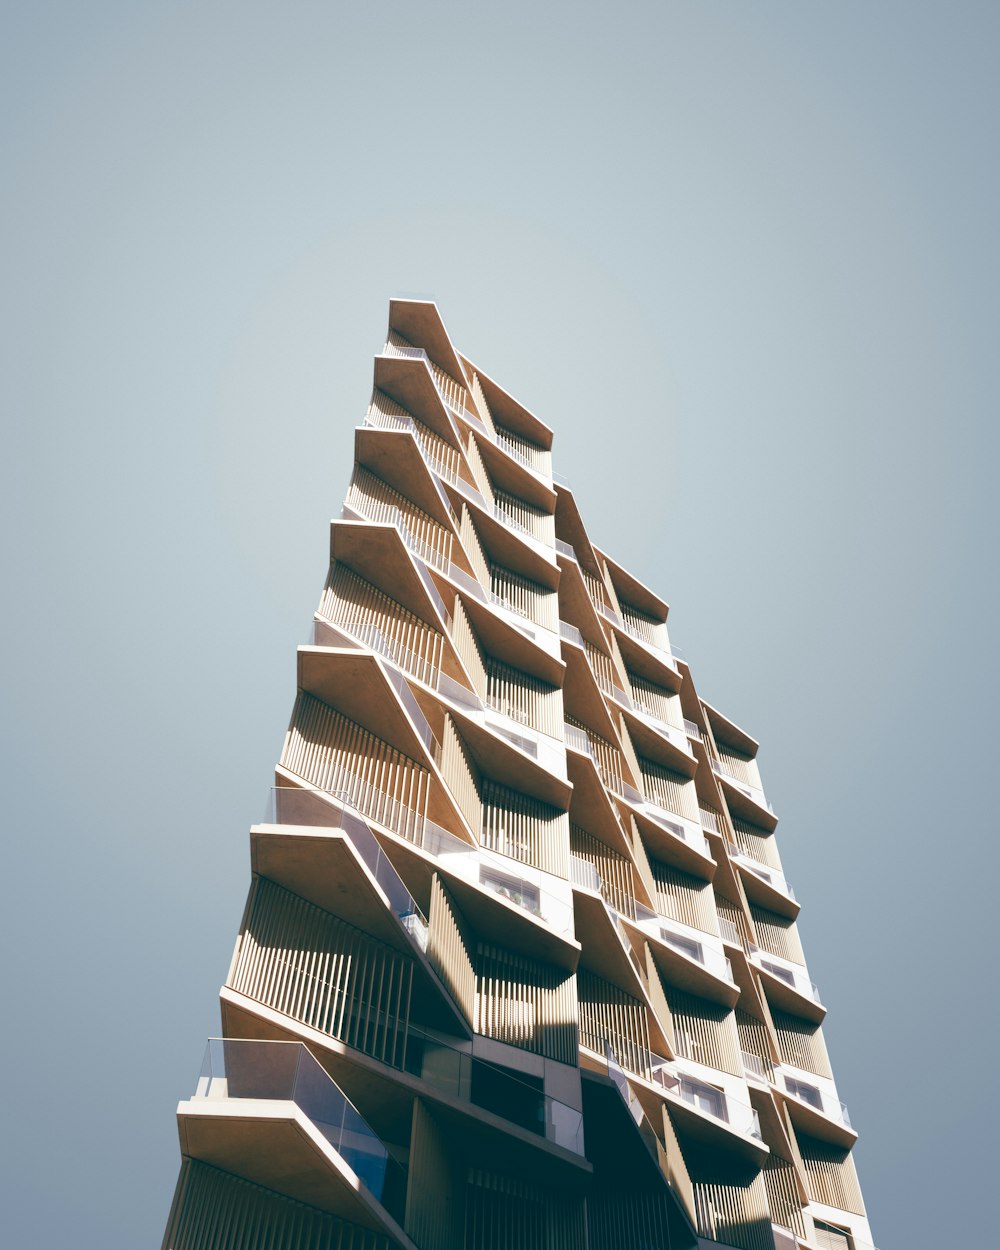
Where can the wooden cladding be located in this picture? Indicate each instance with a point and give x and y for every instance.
(831, 1177)
(800, 1043)
(669, 790)
(460, 775)
(527, 1003)
(705, 1032)
(777, 934)
(525, 516)
(524, 828)
(782, 1194)
(333, 753)
(609, 1015)
(453, 392)
(449, 948)
(754, 1040)
(595, 588)
(614, 869)
(509, 1213)
(466, 644)
(656, 701)
(309, 965)
(473, 548)
(368, 614)
(683, 897)
(527, 598)
(757, 843)
(524, 698)
(736, 1215)
(214, 1210)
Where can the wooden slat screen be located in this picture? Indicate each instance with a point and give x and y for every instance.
(632, 768)
(742, 767)
(669, 790)
(509, 1213)
(736, 1215)
(610, 1015)
(473, 548)
(601, 666)
(214, 1210)
(540, 525)
(527, 1003)
(367, 613)
(658, 998)
(310, 965)
(333, 753)
(614, 869)
(777, 934)
(524, 828)
(617, 1217)
(683, 897)
(535, 457)
(479, 473)
(734, 913)
(449, 948)
(434, 1193)
(657, 701)
(461, 775)
(524, 698)
(641, 859)
(643, 626)
(378, 501)
(607, 756)
(465, 642)
(595, 588)
(783, 1195)
(453, 392)
(831, 1177)
(525, 597)
(705, 1032)
(676, 1169)
(482, 407)
(757, 843)
(801, 1044)
(753, 1039)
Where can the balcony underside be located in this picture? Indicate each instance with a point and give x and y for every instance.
(271, 1143)
(378, 554)
(506, 641)
(409, 382)
(396, 458)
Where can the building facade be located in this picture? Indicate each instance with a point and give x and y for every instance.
(519, 967)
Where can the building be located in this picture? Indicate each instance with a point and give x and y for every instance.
(519, 967)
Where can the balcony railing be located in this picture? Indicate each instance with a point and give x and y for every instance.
(288, 1072)
(798, 980)
(814, 1097)
(752, 792)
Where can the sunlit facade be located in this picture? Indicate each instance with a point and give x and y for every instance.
(519, 967)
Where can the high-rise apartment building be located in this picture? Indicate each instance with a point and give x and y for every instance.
(519, 967)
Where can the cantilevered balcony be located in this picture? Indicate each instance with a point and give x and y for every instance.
(788, 985)
(703, 1111)
(763, 884)
(816, 1110)
(269, 1112)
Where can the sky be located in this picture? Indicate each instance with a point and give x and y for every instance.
(741, 257)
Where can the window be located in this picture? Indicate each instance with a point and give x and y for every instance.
(808, 1093)
(830, 1237)
(520, 892)
(776, 970)
(687, 946)
(704, 1097)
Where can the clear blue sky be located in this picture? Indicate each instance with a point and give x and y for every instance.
(741, 257)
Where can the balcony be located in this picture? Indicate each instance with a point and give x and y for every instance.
(687, 958)
(269, 1112)
(704, 1111)
(788, 985)
(764, 885)
(818, 1112)
(744, 800)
